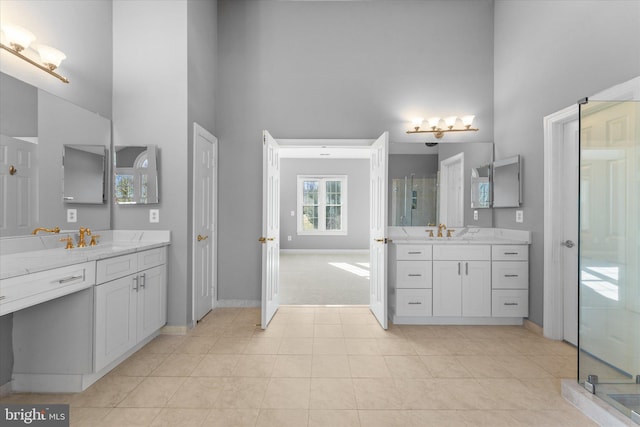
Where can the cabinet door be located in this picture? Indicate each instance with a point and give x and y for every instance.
(447, 288)
(152, 301)
(115, 316)
(476, 288)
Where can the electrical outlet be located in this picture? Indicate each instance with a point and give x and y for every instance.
(154, 215)
(72, 215)
(289, 238)
(519, 216)
(475, 215)
(293, 213)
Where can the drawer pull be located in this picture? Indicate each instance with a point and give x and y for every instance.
(415, 303)
(415, 253)
(415, 275)
(511, 303)
(511, 275)
(512, 253)
(70, 279)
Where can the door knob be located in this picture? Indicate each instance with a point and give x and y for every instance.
(568, 243)
(201, 238)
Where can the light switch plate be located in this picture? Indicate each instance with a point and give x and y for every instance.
(154, 215)
(475, 215)
(289, 238)
(519, 216)
(72, 215)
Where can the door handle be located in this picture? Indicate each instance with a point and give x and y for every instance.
(143, 282)
(201, 238)
(385, 240)
(265, 239)
(568, 243)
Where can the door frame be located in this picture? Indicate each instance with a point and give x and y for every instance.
(214, 226)
(553, 312)
(553, 302)
(444, 182)
(313, 148)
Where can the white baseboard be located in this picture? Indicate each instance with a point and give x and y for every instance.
(324, 251)
(238, 303)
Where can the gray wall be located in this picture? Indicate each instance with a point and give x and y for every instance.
(549, 54)
(334, 70)
(358, 195)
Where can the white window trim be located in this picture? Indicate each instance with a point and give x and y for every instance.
(322, 205)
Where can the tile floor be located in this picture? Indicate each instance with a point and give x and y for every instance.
(331, 366)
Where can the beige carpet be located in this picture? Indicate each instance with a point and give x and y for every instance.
(324, 278)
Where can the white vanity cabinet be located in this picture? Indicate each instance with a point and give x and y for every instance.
(510, 280)
(462, 280)
(130, 302)
(410, 279)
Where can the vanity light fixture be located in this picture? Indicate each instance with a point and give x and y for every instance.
(449, 125)
(19, 40)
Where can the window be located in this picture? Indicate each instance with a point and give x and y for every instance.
(322, 204)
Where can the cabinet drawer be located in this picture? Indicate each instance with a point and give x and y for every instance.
(414, 252)
(510, 303)
(21, 292)
(151, 258)
(510, 275)
(116, 267)
(510, 252)
(413, 302)
(413, 274)
(462, 252)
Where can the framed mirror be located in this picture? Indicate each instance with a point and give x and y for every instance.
(481, 187)
(84, 173)
(135, 175)
(507, 185)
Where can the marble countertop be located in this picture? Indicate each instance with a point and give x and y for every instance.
(462, 236)
(24, 255)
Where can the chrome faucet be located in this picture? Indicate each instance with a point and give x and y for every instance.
(81, 242)
(440, 228)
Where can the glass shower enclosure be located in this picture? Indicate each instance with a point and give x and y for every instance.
(414, 201)
(609, 260)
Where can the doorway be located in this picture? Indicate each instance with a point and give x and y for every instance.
(318, 216)
(452, 191)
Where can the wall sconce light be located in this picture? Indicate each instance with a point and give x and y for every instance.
(20, 39)
(449, 125)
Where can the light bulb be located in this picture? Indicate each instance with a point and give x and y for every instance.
(433, 122)
(417, 122)
(50, 56)
(467, 121)
(17, 37)
(450, 121)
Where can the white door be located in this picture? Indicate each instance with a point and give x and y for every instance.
(205, 149)
(378, 224)
(270, 227)
(18, 181)
(452, 191)
(569, 252)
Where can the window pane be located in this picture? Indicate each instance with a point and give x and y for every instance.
(333, 190)
(333, 218)
(310, 218)
(124, 188)
(310, 192)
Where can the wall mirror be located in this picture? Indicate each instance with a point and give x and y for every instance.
(507, 185)
(481, 187)
(34, 127)
(84, 173)
(135, 175)
(416, 196)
